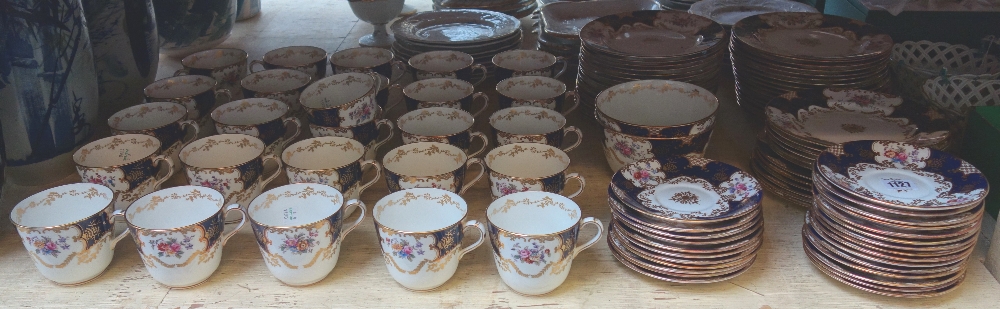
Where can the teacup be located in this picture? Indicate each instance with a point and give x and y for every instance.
(226, 65)
(365, 60)
(443, 125)
(265, 119)
(178, 233)
(366, 133)
(129, 164)
(537, 91)
(529, 167)
(529, 124)
(534, 237)
(67, 231)
(420, 232)
(523, 62)
(622, 149)
(163, 120)
(306, 59)
(446, 64)
(232, 164)
(429, 165)
(333, 161)
(280, 84)
(198, 94)
(342, 100)
(299, 229)
(443, 92)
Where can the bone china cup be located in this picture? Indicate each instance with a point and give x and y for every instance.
(129, 164)
(342, 100)
(443, 125)
(306, 59)
(198, 94)
(333, 161)
(232, 164)
(656, 108)
(226, 65)
(446, 64)
(178, 232)
(529, 124)
(67, 231)
(534, 237)
(280, 84)
(365, 60)
(265, 119)
(163, 120)
(529, 167)
(366, 133)
(443, 92)
(299, 229)
(429, 165)
(523, 62)
(536, 91)
(420, 232)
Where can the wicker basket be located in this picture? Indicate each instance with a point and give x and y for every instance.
(914, 63)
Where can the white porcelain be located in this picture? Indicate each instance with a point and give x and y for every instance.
(284, 85)
(420, 232)
(537, 91)
(446, 64)
(128, 164)
(266, 119)
(378, 13)
(534, 237)
(197, 93)
(656, 104)
(337, 162)
(360, 133)
(529, 167)
(164, 120)
(623, 149)
(306, 59)
(442, 125)
(178, 233)
(232, 164)
(366, 60)
(67, 231)
(299, 229)
(429, 165)
(342, 100)
(226, 65)
(529, 124)
(525, 62)
(443, 92)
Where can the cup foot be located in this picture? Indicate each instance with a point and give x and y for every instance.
(186, 286)
(301, 284)
(376, 41)
(85, 281)
(422, 290)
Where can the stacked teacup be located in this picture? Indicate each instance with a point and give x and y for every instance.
(654, 118)
(344, 105)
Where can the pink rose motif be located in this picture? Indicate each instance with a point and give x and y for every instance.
(291, 242)
(50, 246)
(407, 250)
(641, 174)
(623, 148)
(525, 254)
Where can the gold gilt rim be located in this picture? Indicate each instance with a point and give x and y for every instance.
(349, 140)
(222, 207)
(472, 124)
(111, 204)
(214, 115)
(459, 151)
(280, 49)
(370, 93)
(259, 154)
(242, 54)
(574, 225)
(340, 208)
(460, 220)
(156, 151)
(182, 117)
(147, 90)
(562, 126)
(487, 163)
(471, 89)
(298, 88)
(392, 55)
(544, 53)
(472, 60)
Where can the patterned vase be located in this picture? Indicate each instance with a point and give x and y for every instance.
(126, 50)
(247, 9)
(48, 87)
(188, 26)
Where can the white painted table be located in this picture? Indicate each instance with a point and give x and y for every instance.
(782, 277)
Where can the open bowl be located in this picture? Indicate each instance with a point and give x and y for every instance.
(657, 108)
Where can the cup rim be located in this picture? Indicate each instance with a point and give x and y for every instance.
(471, 61)
(243, 82)
(340, 208)
(155, 152)
(182, 117)
(185, 164)
(458, 150)
(146, 91)
(471, 124)
(371, 92)
(392, 55)
(491, 223)
(563, 126)
(511, 145)
(222, 207)
(289, 147)
(471, 89)
(186, 61)
(279, 49)
(110, 204)
(215, 115)
(465, 213)
(500, 55)
(564, 88)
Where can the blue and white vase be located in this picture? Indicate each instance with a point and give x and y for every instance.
(126, 50)
(247, 9)
(188, 26)
(48, 88)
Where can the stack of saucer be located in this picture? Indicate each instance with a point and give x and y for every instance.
(687, 220)
(642, 45)
(516, 8)
(479, 33)
(560, 23)
(678, 5)
(894, 218)
(776, 53)
(800, 125)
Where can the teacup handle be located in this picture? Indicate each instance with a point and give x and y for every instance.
(399, 66)
(229, 95)
(260, 62)
(579, 179)
(193, 125)
(390, 105)
(277, 171)
(481, 137)
(157, 161)
(359, 205)
(482, 170)
(479, 241)
(114, 217)
(565, 65)
(481, 69)
(579, 137)
(376, 81)
(298, 129)
(243, 220)
(183, 71)
(384, 123)
(486, 103)
(576, 101)
(378, 174)
(600, 232)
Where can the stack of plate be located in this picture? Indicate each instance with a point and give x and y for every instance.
(479, 33)
(678, 5)
(688, 220)
(728, 12)
(776, 53)
(801, 125)
(641, 45)
(516, 8)
(893, 218)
